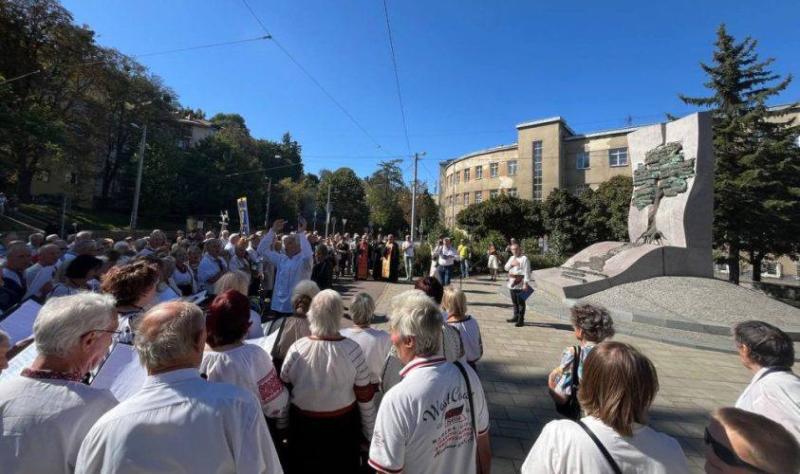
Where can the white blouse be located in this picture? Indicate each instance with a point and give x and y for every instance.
(375, 344)
(249, 367)
(563, 447)
(471, 337)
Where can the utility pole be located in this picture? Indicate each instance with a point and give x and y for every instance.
(137, 192)
(414, 198)
(328, 210)
(269, 195)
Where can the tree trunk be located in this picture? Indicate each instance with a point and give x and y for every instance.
(733, 264)
(24, 180)
(756, 259)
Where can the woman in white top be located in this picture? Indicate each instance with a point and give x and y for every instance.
(329, 381)
(618, 387)
(373, 342)
(228, 359)
(134, 287)
(240, 281)
(183, 275)
(79, 272)
(454, 303)
(167, 290)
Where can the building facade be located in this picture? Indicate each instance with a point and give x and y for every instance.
(548, 154)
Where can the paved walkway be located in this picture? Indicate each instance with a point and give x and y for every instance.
(517, 361)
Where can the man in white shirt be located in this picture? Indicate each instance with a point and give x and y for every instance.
(774, 391)
(408, 257)
(212, 266)
(446, 256)
(519, 274)
(431, 422)
(46, 411)
(39, 276)
(292, 266)
(18, 260)
(179, 422)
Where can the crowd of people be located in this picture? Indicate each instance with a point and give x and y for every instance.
(254, 364)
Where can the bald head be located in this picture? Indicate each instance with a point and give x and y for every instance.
(49, 254)
(171, 336)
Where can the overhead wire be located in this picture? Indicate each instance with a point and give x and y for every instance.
(154, 53)
(314, 80)
(396, 76)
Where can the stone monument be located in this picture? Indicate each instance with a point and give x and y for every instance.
(670, 216)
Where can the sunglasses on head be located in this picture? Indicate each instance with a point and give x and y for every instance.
(726, 454)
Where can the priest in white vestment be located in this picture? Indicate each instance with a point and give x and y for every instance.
(292, 266)
(46, 411)
(179, 422)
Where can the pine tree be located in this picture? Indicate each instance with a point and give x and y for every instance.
(756, 188)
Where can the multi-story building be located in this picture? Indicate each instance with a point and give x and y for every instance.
(548, 154)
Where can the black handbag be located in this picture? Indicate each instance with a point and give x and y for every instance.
(571, 408)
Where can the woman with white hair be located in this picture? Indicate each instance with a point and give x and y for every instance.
(240, 281)
(373, 342)
(291, 328)
(183, 275)
(46, 411)
(329, 379)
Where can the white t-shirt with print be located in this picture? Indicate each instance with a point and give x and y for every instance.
(424, 424)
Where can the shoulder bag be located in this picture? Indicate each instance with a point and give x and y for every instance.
(571, 408)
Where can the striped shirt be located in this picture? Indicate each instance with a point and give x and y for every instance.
(470, 336)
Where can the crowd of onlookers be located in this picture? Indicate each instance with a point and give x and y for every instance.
(255, 365)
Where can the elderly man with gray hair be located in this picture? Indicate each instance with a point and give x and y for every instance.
(46, 411)
(178, 421)
(292, 266)
(436, 419)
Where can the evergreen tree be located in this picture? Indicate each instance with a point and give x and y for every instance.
(756, 189)
(563, 220)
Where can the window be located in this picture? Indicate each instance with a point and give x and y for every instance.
(771, 268)
(478, 197)
(537, 170)
(71, 177)
(582, 161)
(466, 175)
(478, 172)
(493, 167)
(512, 192)
(456, 176)
(466, 199)
(493, 193)
(512, 167)
(618, 157)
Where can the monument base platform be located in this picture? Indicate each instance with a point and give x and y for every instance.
(607, 264)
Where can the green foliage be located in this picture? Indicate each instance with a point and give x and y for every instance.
(480, 259)
(606, 216)
(511, 216)
(348, 199)
(422, 259)
(545, 261)
(563, 214)
(757, 173)
(383, 188)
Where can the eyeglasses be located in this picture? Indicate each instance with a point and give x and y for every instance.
(726, 454)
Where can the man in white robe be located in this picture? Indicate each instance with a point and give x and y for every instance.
(292, 266)
(179, 422)
(46, 411)
(212, 266)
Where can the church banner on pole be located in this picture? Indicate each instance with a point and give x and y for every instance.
(244, 216)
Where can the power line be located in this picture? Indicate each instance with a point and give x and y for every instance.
(396, 76)
(154, 53)
(314, 80)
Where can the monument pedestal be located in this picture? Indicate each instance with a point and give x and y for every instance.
(616, 263)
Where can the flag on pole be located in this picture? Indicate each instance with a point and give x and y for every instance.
(244, 216)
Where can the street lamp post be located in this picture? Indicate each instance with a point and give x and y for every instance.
(138, 190)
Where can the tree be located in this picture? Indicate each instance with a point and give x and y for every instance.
(348, 198)
(383, 188)
(563, 216)
(756, 188)
(511, 216)
(606, 215)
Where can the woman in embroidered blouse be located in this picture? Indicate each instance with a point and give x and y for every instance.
(592, 325)
(134, 287)
(331, 394)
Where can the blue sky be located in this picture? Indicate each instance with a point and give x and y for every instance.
(469, 70)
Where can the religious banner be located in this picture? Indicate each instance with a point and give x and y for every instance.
(244, 217)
